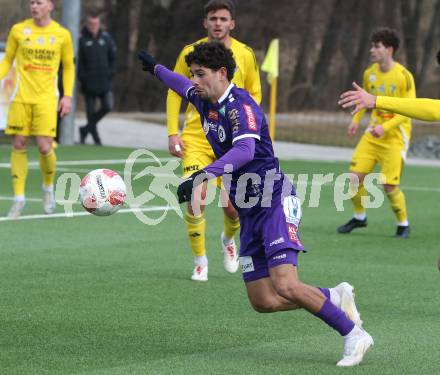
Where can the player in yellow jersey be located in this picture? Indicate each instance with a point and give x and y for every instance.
(386, 140)
(37, 45)
(192, 146)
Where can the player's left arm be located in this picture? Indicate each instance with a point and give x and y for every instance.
(67, 59)
(408, 90)
(252, 83)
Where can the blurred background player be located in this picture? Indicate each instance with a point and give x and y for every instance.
(387, 137)
(96, 68)
(37, 45)
(192, 145)
(269, 237)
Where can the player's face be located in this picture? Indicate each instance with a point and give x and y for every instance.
(40, 9)
(207, 82)
(93, 24)
(379, 53)
(219, 24)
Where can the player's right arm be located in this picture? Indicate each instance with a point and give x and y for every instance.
(174, 103)
(11, 49)
(420, 109)
(356, 119)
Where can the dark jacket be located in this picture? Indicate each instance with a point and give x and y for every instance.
(96, 62)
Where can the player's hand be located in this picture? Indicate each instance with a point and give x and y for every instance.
(148, 61)
(358, 98)
(352, 129)
(65, 106)
(186, 188)
(377, 131)
(176, 146)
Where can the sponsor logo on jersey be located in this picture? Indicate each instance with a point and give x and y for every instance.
(250, 118)
(235, 120)
(222, 111)
(292, 230)
(246, 264)
(190, 168)
(221, 134)
(52, 40)
(279, 256)
(372, 78)
(27, 31)
(213, 115)
(277, 242)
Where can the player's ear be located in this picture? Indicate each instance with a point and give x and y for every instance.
(205, 23)
(223, 73)
(232, 25)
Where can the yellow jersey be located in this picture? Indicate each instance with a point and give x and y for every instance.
(246, 76)
(397, 82)
(37, 52)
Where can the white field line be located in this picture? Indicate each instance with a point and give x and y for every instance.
(84, 213)
(35, 163)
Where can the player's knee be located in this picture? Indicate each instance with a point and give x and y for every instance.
(19, 144)
(356, 179)
(389, 188)
(264, 305)
(287, 289)
(45, 147)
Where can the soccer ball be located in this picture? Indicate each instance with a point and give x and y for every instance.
(102, 192)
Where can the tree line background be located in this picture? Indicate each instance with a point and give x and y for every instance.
(324, 44)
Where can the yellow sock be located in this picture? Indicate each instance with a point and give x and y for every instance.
(196, 233)
(19, 171)
(357, 200)
(231, 227)
(398, 204)
(48, 165)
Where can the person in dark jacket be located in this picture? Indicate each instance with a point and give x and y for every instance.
(96, 68)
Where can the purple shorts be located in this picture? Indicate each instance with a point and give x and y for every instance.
(270, 238)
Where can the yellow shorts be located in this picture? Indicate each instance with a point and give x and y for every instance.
(32, 119)
(368, 154)
(195, 159)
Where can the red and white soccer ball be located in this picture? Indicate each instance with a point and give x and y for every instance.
(102, 192)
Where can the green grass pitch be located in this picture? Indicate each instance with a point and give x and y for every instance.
(91, 295)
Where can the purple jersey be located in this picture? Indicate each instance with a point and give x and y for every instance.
(236, 116)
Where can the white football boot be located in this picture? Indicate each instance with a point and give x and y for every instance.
(356, 344)
(200, 273)
(346, 303)
(16, 209)
(49, 203)
(230, 256)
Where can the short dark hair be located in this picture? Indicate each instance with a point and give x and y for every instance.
(388, 37)
(213, 55)
(214, 5)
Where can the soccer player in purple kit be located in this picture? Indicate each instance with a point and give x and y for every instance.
(269, 211)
